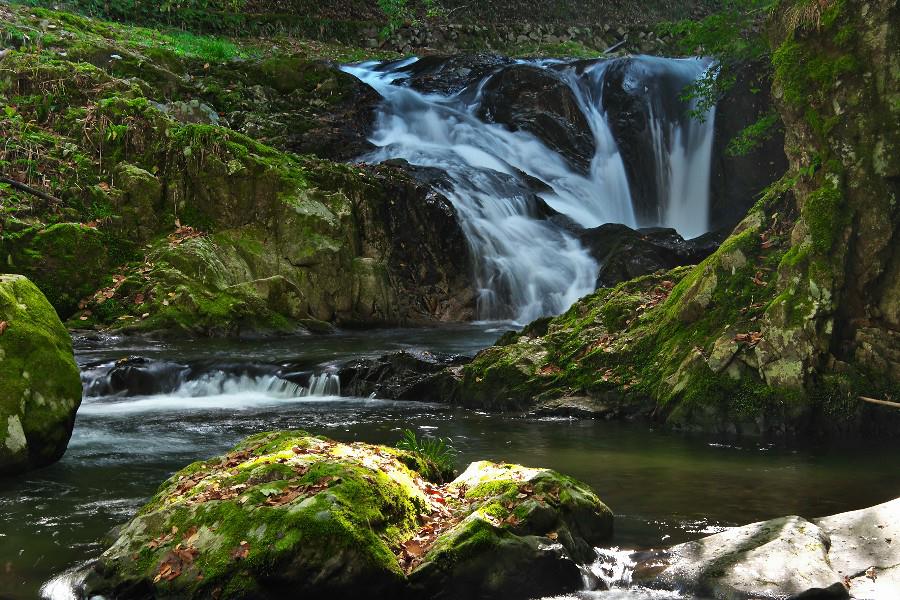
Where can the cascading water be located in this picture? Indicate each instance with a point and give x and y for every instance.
(683, 149)
(324, 384)
(529, 265)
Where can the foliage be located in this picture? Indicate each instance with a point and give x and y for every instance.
(400, 12)
(754, 135)
(731, 36)
(436, 450)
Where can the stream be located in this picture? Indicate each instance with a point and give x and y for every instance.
(665, 488)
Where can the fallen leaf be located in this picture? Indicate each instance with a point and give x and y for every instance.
(241, 552)
(412, 548)
(870, 573)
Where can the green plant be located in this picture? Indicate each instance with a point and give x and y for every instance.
(731, 36)
(752, 136)
(399, 12)
(436, 450)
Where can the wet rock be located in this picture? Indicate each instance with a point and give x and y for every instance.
(451, 74)
(346, 520)
(406, 375)
(540, 102)
(133, 376)
(625, 253)
(40, 389)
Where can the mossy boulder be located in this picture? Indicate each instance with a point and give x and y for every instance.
(286, 512)
(40, 388)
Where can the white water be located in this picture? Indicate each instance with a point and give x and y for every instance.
(220, 391)
(683, 158)
(527, 267)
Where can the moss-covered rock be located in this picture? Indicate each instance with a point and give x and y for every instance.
(288, 512)
(101, 115)
(67, 261)
(40, 388)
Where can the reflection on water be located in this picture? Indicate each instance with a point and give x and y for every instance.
(663, 487)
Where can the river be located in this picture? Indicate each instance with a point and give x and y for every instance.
(664, 487)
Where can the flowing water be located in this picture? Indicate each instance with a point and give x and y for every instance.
(528, 266)
(664, 488)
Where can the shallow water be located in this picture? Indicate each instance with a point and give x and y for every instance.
(665, 488)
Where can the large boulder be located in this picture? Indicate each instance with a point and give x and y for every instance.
(783, 557)
(404, 375)
(40, 389)
(539, 101)
(851, 554)
(288, 513)
(866, 539)
(624, 253)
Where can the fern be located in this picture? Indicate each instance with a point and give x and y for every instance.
(435, 450)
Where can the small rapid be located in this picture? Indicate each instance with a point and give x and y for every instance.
(522, 203)
(135, 385)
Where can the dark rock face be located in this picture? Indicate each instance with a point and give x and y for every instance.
(401, 376)
(736, 181)
(625, 253)
(538, 101)
(428, 254)
(341, 132)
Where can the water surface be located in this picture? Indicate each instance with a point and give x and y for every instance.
(665, 488)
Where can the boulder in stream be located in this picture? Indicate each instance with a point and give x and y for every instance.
(849, 555)
(286, 513)
(404, 375)
(40, 389)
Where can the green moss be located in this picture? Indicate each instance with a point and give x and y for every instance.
(40, 388)
(824, 213)
(493, 489)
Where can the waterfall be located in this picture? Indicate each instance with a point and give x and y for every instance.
(683, 153)
(324, 384)
(521, 203)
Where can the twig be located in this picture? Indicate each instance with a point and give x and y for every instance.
(30, 190)
(615, 47)
(453, 10)
(882, 402)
